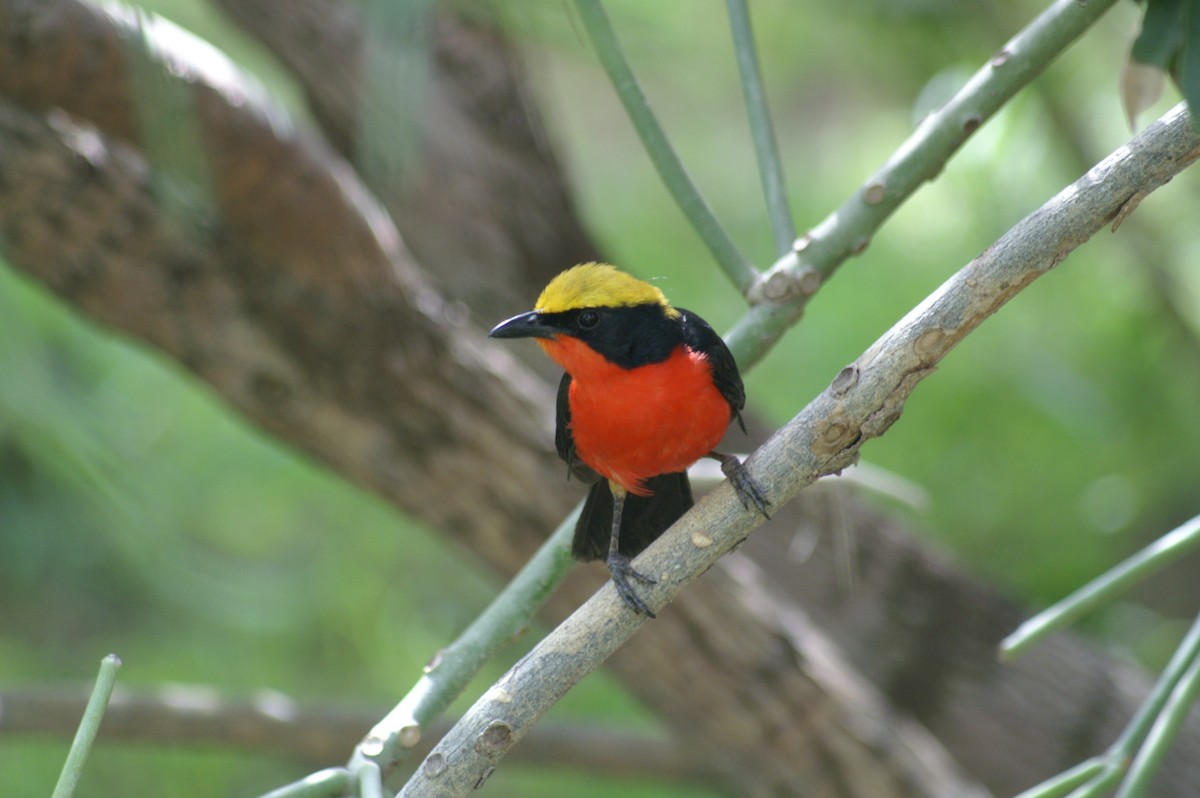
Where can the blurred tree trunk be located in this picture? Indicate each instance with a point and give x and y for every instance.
(295, 299)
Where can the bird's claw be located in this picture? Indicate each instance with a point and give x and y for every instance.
(748, 491)
(622, 571)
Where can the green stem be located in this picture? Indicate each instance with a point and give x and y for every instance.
(822, 439)
(1162, 734)
(1101, 783)
(1164, 551)
(1156, 718)
(922, 157)
(1067, 780)
(943, 132)
(1139, 725)
(770, 171)
(662, 154)
(328, 783)
(89, 725)
(456, 664)
(369, 780)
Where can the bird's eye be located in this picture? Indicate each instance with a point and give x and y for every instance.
(589, 319)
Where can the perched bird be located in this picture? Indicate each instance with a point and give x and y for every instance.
(649, 389)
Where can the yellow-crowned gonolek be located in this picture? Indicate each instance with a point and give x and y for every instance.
(649, 389)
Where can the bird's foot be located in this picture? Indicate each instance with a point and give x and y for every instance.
(748, 491)
(622, 572)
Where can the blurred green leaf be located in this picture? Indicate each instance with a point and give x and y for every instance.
(1162, 34)
(1189, 70)
(1170, 41)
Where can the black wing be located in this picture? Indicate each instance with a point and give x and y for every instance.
(564, 442)
(698, 335)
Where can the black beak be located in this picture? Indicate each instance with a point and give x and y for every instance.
(524, 325)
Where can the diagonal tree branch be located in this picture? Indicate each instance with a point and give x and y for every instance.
(357, 365)
(863, 401)
(374, 397)
(48, 152)
(937, 624)
(792, 281)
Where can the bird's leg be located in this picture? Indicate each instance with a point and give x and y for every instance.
(747, 489)
(618, 564)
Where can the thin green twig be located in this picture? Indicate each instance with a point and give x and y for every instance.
(1168, 692)
(455, 665)
(369, 780)
(912, 165)
(447, 676)
(1027, 54)
(823, 438)
(89, 725)
(328, 783)
(1140, 724)
(1068, 780)
(1164, 551)
(1162, 734)
(919, 159)
(1154, 726)
(1102, 783)
(770, 171)
(922, 157)
(662, 154)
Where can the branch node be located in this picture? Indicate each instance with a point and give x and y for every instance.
(493, 741)
(840, 433)
(846, 379)
(435, 764)
(929, 344)
(785, 280)
(776, 287)
(373, 745)
(808, 281)
(409, 736)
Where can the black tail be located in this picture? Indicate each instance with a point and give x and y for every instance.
(643, 519)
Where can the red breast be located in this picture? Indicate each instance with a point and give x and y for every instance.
(632, 424)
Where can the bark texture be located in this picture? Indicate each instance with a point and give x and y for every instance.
(485, 210)
(292, 294)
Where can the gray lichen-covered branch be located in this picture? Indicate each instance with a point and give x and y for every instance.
(863, 401)
(297, 303)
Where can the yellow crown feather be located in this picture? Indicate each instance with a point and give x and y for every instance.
(599, 285)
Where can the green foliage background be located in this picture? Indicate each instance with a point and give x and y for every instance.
(138, 516)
